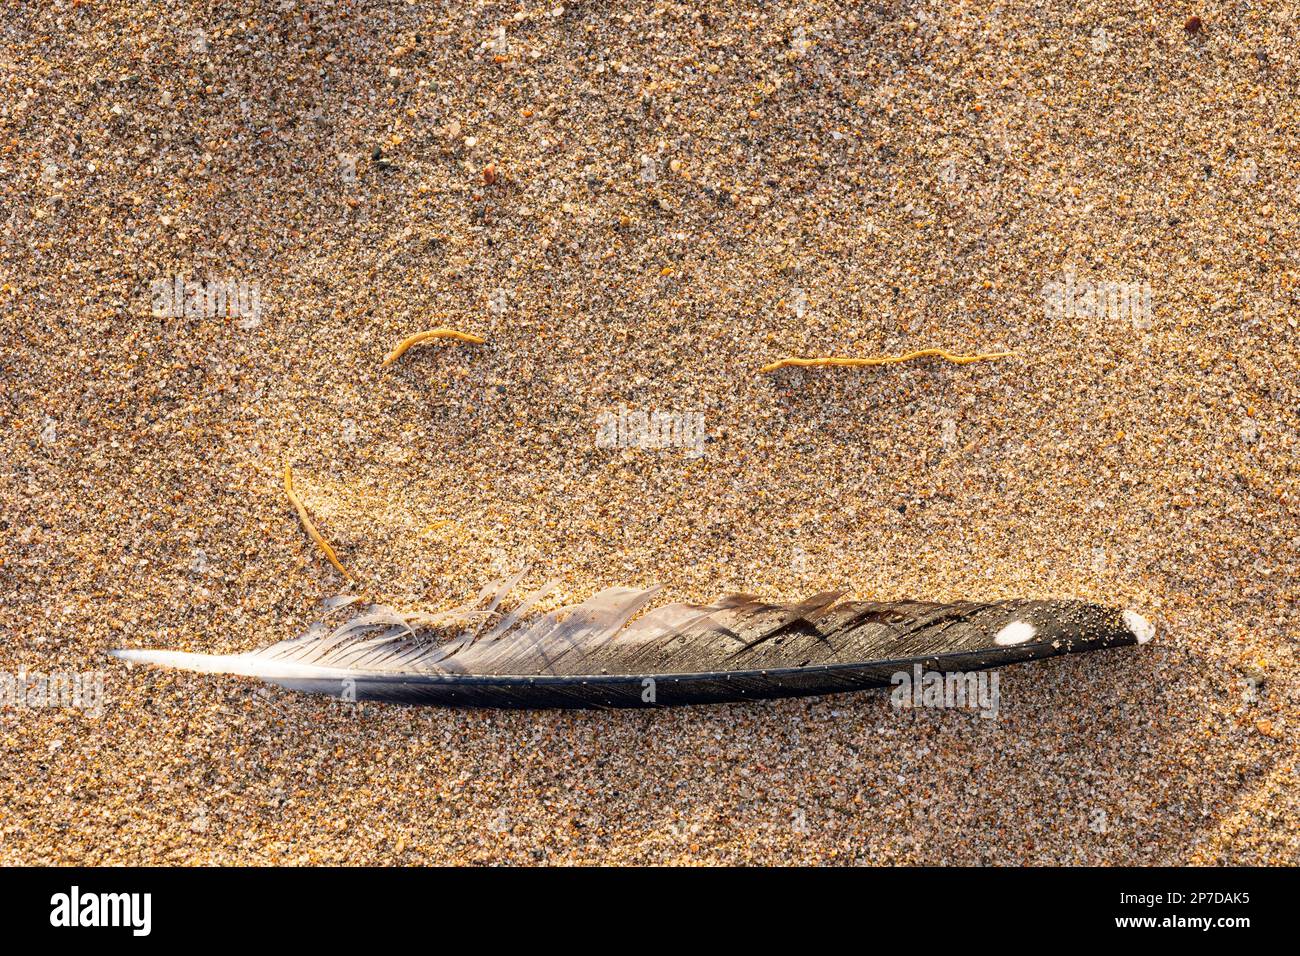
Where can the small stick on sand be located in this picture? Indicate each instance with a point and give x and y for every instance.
(306, 523)
(884, 359)
(419, 337)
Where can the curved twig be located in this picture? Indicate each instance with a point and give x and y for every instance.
(418, 337)
(307, 523)
(884, 359)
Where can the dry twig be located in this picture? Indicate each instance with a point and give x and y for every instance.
(883, 359)
(419, 337)
(307, 523)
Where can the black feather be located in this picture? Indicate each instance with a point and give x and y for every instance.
(589, 655)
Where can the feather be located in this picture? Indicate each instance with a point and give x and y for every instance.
(593, 654)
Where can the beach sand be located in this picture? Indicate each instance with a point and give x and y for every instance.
(637, 206)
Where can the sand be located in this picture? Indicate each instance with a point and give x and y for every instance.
(636, 207)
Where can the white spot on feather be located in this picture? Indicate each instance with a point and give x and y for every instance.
(1017, 632)
(1142, 629)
